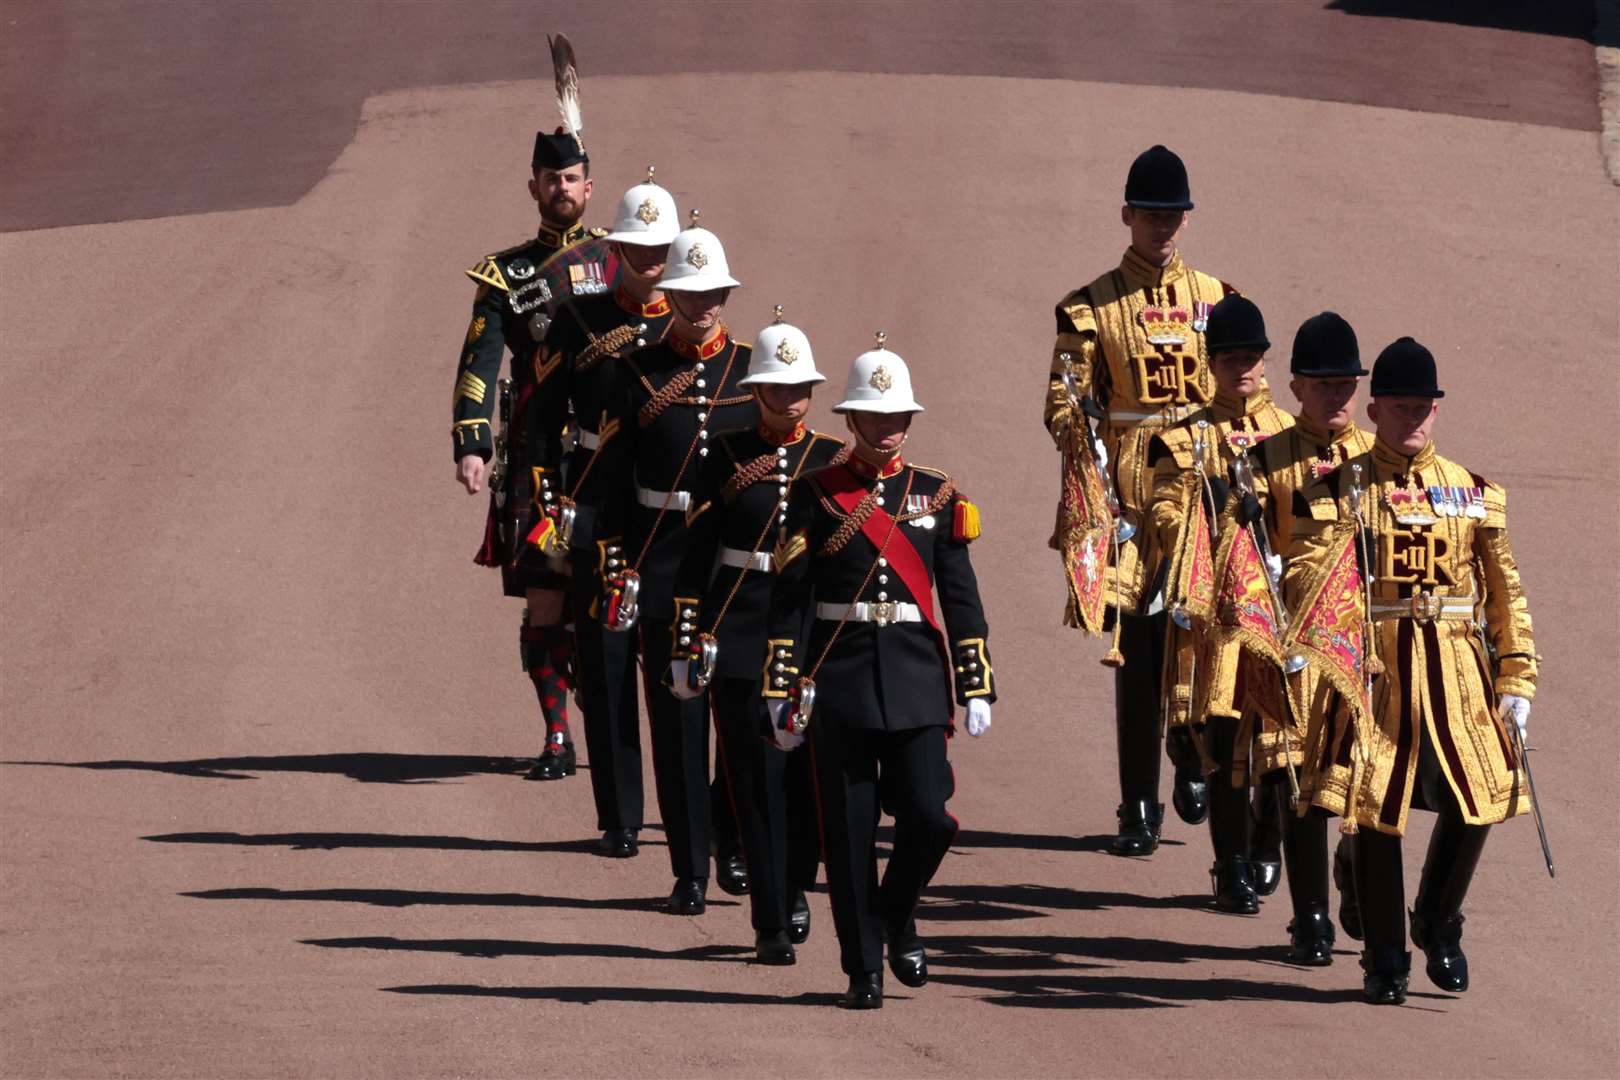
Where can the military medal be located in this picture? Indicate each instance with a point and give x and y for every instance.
(1200, 316)
(1407, 506)
(586, 279)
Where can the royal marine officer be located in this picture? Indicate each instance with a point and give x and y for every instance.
(1219, 689)
(1453, 655)
(675, 396)
(741, 495)
(576, 369)
(1132, 344)
(865, 547)
(1326, 369)
(510, 311)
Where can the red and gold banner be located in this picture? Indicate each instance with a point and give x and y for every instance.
(1085, 530)
(1243, 611)
(1330, 626)
(1192, 576)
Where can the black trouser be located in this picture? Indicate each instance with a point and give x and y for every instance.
(1138, 710)
(1229, 824)
(773, 801)
(680, 747)
(858, 774)
(724, 828)
(1305, 856)
(607, 691)
(1448, 868)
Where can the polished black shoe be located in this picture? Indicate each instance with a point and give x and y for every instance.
(865, 991)
(1441, 943)
(1138, 827)
(1345, 881)
(1266, 874)
(1310, 940)
(1234, 889)
(799, 918)
(773, 947)
(687, 896)
(556, 761)
(618, 844)
(1384, 976)
(1191, 799)
(907, 959)
(731, 874)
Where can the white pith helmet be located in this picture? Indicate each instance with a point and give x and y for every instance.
(647, 215)
(781, 355)
(880, 382)
(697, 262)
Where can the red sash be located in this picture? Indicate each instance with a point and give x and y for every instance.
(847, 490)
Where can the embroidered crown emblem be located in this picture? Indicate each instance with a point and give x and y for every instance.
(1166, 326)
(786, 353)
(647, 212)
(881, 380)
(697, 257)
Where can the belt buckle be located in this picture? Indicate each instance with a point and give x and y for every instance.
(883, 612)
(1425, 606)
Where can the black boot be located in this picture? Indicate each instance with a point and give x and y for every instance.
(1139, 822)
(1310, 939)
(618, 844)
(1265, 844)
(731, 874)
(1233, 887)
(556, 761)
(687, 897)
(865, 991)
(799, 918)
(772, 947)
(1437, 920)
(1385, 972)
(1191, 794)
(907, 959)
(1344, 879)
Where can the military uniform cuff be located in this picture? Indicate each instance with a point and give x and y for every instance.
(781, 668)
(1517, 685)
(471, 437)
(974, 676)
(686, 628)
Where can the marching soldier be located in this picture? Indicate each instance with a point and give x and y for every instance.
(676, 394)
(1131, 344)
(741, 495)
(1326, 369)
(1453, 652)
(510, 311)
(576, 370)
(865, 546)
(1218, 689)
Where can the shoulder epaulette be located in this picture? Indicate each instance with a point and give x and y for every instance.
(1077, 310)
(596, 232)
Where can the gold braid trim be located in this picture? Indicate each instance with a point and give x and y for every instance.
(841, 456)
(748, 475)
(601, 345)
(852, 524)
(665, 397)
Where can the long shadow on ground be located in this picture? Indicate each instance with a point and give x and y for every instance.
(368, 768)
(991, 902)
(333, 841)
(486, 948)
(415, 897)
(587, 995)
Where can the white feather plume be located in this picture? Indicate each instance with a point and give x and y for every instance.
(567, 74)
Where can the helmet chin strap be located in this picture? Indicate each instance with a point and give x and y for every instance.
(788, 423)
(883, 456)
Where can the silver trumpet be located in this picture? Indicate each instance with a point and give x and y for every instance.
(1123, 528)
(1243, 473)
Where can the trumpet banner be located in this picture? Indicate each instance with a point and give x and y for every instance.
(1085, 530)
(1243, 611)
(1192, 575)
(1329, 628)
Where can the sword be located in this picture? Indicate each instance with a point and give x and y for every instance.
(1535, 803)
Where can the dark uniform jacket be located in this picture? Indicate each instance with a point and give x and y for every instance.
(577, 371)
(676, 398)
(740, 500)
(884, 678)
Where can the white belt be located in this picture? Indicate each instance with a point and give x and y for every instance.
(758, 560)
(656, 500)
(1424, 607)
(589, 439)
(884, 613)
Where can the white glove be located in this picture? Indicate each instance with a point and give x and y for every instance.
(1274, 564)
(781, 736)
(1516, 709)
(1102, 453)
(978, 717)
(677, 680)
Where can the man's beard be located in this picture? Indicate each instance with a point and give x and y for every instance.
(562, 211)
